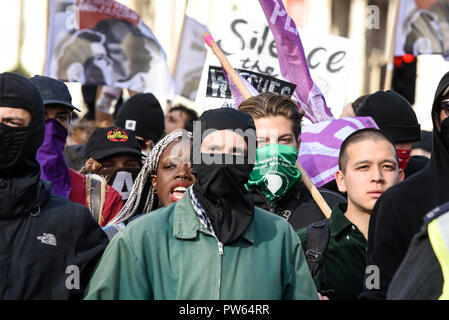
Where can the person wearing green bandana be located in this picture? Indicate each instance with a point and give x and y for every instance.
(275, 183)
(368, 166)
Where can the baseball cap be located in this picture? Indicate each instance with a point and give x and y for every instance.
(106, 142)
(53, 91)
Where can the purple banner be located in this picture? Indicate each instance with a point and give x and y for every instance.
(293, 63)
(320, 146)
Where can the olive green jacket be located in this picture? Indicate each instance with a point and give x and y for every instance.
(169, 254)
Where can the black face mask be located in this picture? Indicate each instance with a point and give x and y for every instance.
(11, 144)
(220, 190)
(445, 133)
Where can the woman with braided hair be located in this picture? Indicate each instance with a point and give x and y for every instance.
(163, 179)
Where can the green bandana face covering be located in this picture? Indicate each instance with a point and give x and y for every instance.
(274, 172)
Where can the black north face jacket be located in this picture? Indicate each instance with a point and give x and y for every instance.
(49, 245)
(50, 251)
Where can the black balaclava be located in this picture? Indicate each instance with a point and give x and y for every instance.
(19, 170)
(220, 186)
(440, 141)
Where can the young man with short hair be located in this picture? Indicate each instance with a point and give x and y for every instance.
(368, 166)
(278, 188)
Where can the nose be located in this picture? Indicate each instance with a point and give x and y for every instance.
(184, 172)
(377, 175)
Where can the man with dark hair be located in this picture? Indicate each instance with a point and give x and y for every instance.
(278, 187)
(394, 115)
(368, 165)
(180, 117)
(49, 245)
(65, 181)
(399, 213)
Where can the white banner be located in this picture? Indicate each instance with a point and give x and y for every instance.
(103, 42)
(249, 45)
(190, 60)
(423, 28)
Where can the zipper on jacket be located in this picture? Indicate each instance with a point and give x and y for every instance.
(220, 254)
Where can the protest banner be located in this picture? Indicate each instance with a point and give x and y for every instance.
(102, 42)
(190, 59)
(244, 90)
(293, 63)
(423, 28)
(249, 44)
(320, 146)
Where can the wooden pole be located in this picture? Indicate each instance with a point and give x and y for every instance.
(247, 94)
(390, 42)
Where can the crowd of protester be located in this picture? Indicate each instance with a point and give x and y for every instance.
(144, 207)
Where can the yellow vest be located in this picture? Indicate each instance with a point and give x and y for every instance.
(438, 231)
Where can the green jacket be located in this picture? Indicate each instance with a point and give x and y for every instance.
(344, 258)
(168, 254)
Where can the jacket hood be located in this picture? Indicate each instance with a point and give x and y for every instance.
(440, 156)
(17, 91)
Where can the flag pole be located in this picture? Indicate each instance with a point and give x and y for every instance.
(390, 42)
(247, 94)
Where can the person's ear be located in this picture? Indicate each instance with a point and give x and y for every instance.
(401, 175)
(154, 181)
(298, 144)
(340, 180)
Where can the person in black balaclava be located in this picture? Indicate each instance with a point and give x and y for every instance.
(399, 212)
(220, 180)
(212, 243)
(43, 235)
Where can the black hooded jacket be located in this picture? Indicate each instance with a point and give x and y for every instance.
(399, 212)
(49, 246)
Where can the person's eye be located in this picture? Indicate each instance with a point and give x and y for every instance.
(362, 168)
(389, 167)
(13, 124)
(169, 165)
(63, 118)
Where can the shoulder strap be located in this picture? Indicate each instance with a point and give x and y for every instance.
(95, 193)
(318, 234)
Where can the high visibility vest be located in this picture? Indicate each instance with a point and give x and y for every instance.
(438, 231)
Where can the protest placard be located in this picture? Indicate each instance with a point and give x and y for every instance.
(103, 42)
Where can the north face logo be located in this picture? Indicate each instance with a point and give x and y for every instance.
(48, 238)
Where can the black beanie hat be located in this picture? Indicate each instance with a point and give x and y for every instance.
(142, 114)
(393, 114)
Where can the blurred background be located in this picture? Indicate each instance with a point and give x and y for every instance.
(23, 34)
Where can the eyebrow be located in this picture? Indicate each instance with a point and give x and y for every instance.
(368, 162)
(17, 119)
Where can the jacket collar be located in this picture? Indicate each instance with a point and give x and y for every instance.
(186, 223)
(338, 221)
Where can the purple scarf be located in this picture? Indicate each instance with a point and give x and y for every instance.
(51, 158)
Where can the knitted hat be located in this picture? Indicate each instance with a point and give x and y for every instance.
(393, 114)
(142, 114)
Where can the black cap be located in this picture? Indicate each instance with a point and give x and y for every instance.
(142, 113)
(105, 142)
(53, 91)
(392, 114)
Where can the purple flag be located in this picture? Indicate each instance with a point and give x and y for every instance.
(293, 63)
(320, 146)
